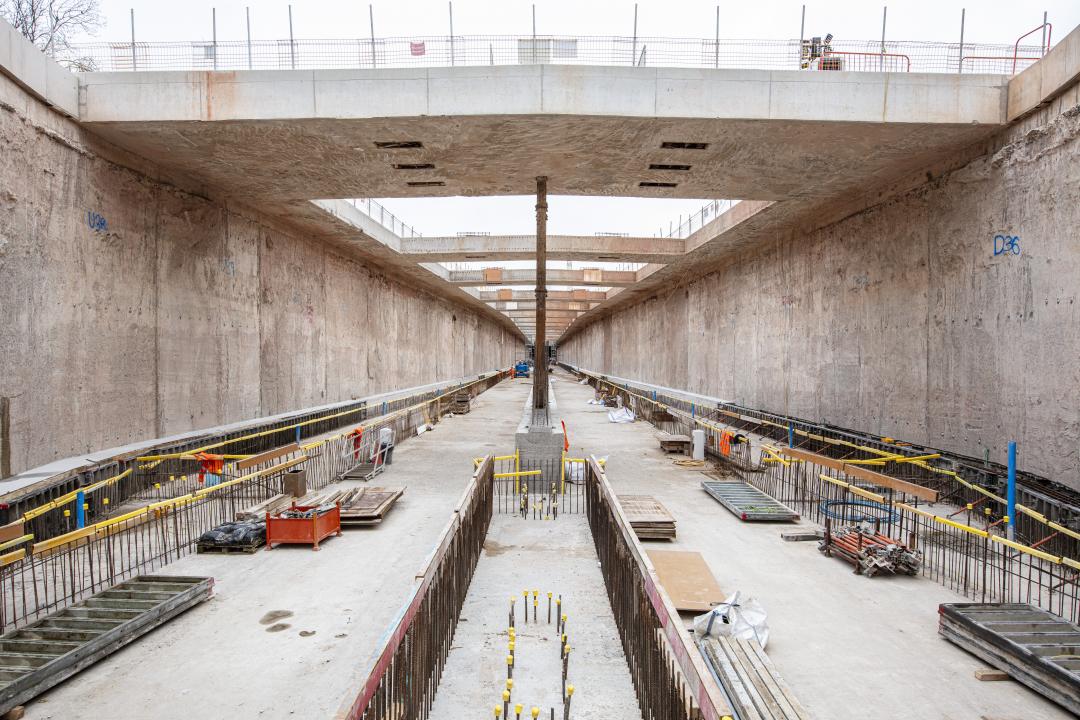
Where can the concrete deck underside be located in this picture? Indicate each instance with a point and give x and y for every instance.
(849, 647)
(291, 135)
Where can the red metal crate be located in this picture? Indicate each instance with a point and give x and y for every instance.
(302, 531)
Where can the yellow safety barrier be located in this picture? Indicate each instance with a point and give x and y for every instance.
(852, 488)
(518, 473)
(96, 528)
(883, 457)
(66, 498)
(16, 541)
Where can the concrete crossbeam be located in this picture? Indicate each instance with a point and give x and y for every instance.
(551, 304)
(287, 135)
(503, 276)
(592, 296)
(560, 247)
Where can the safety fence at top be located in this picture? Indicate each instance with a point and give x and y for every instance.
(808, 466)
(478, 50)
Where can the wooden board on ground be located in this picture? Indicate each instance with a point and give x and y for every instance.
(649, 519)
(686, 579)
(756, 690)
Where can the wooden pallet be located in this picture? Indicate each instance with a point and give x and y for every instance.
(211, 548)
(649, 519)
(749, 679)
(363, 506)
(674, 443)
(1033, 646)
(47, 652)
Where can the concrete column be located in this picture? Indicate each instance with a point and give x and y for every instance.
(540, 383)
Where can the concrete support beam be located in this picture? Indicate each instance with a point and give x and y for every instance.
(551, 305)
(592, 296)
(503, 276)
(560, 247)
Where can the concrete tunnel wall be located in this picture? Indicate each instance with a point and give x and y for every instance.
(899, 319)
(133, 309)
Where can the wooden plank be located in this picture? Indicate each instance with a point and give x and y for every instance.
(267, 456)
(989, 675)
(862, 473)
(903, 486)
(687, 579)
(12, 530)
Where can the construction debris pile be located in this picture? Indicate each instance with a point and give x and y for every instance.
(462, 403)
(870, 552)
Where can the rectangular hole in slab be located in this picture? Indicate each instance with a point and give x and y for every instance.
(678, 145)
(665, 166)
(426, 183)
(414, 166)
(398, 144)
(644, 183)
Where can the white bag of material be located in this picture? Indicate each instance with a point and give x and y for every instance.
(621, 415)
(583, 381)
(735, 618)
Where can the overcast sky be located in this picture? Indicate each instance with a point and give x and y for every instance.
(997, 21)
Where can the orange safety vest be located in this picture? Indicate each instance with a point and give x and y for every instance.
(725, 442)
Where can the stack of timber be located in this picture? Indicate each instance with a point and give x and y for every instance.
(870, 552)
(753, 686)
(461, 403)
(1035, 647)
(675, 443)
(649, 519)
(362, 507)
(45, 653)
(273, 506)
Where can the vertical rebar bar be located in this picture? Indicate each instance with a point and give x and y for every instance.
(247, 13)
(716, 48)
(451, 4)
(884, 16)
(802, 34)
(960, 62)
(633, 47)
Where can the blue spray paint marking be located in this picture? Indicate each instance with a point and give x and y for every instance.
(96, 222)
(1006, 244)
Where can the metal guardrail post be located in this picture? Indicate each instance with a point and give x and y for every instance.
(213, 23)
(134, 62)
(960, 62)
(292, 43)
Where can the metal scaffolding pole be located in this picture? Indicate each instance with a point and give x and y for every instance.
(540, 383)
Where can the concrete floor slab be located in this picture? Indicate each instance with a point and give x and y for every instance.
(554, 555)
(849, 646)
(222, 659)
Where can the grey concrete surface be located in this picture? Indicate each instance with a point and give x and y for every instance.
(491, 130)
(850, 647)
(556, 556)
(220, 661)
(899, 319)
(134, 309)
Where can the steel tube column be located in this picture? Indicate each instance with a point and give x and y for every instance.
(540, 382)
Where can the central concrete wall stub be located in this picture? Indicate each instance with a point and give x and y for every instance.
(905, 319)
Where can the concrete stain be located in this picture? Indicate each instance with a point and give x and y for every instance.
(274, 616)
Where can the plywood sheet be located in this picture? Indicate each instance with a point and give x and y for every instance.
(686, 579)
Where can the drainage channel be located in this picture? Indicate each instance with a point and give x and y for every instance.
(448, 654)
